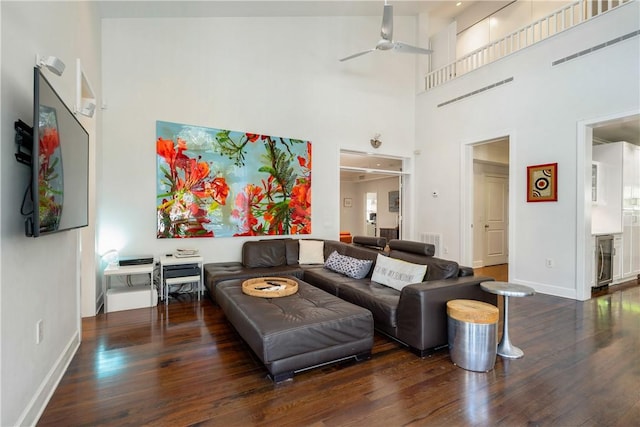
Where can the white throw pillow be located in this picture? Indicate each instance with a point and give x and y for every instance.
(311, 252)
(396, 273)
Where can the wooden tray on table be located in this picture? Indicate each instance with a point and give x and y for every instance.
(270, 287)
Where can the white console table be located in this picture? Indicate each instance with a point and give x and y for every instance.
(173, 261)
(116, 270)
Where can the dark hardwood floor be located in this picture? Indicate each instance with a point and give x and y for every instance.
(182, 364)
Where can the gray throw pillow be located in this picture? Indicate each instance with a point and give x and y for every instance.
(349, 266)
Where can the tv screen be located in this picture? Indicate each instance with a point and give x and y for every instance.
(59, 164)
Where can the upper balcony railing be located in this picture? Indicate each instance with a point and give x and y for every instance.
(556, 22)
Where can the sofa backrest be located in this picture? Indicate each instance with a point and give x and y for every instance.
(279, 252)
(264, 253)
(422, 253)
(378, 243)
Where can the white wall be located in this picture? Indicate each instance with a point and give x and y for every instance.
(539, 110)
(39, 277)
(276, 76)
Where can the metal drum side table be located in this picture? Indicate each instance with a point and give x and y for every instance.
(505, 348)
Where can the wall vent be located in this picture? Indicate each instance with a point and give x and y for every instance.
(477, 91)
(435, 239)
(597, 47)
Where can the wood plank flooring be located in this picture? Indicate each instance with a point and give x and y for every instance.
(182, 364)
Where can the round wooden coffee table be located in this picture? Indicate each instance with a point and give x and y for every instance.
(505, 348)
(270, 287)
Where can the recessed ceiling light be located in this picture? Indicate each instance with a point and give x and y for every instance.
(459, 3)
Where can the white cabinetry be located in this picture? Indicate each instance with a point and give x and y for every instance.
(631, 244)
(616, 204)
(606, 211)
(617, 257)
(631, 210)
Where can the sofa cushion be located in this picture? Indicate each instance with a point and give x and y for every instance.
(324, 279)
(292, 251)
(215, 273)
(397, 273)
(381, 300)
(349, 266)
(263, 253)
(311, 252)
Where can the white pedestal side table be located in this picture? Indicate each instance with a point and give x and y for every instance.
(505, 348)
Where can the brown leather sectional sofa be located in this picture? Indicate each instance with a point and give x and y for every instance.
(415, 316)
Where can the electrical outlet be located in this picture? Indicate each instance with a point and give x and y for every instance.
(549, 263)
(39, 331)
(446, 250)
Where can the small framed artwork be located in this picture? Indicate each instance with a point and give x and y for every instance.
(348, 202)
(542, 183)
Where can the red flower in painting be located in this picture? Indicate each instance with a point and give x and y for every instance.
(218, 190)
(49, 142)
(190, 185)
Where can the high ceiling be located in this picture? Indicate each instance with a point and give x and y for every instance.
(442, 10)
(267, 8)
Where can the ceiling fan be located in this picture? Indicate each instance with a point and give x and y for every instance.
(386, 41)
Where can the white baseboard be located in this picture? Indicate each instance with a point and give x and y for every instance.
(38, 403)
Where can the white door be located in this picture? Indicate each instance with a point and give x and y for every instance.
(496, 216)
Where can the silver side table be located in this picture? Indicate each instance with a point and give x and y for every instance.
(505, 348)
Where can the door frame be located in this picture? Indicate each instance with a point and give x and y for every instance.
(467, 195)
(405, 217)
(584, 156)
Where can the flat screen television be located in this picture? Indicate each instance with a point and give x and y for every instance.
(59, 164)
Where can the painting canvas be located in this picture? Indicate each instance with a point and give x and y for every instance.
(222, 183)
(542, 183)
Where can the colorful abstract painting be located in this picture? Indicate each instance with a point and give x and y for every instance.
(222, 183)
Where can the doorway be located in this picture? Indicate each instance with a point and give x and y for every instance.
(371, 194)
(491, 202)
(595, 133)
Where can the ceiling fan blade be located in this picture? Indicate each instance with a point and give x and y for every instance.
(355, 55)
(386, 32)
(406, 48)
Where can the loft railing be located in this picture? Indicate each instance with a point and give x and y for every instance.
(556, 22)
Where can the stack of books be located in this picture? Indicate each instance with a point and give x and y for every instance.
(185, 253)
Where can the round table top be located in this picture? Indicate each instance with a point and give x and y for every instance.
(507, 289)
(270, 287)
(472, 311)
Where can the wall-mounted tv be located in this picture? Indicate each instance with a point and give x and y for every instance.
(59, 164)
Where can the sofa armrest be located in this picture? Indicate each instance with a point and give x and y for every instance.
(422, 309)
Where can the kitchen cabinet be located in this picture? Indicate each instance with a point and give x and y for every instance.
(617, 257)
(607, 177)
(631, 244)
